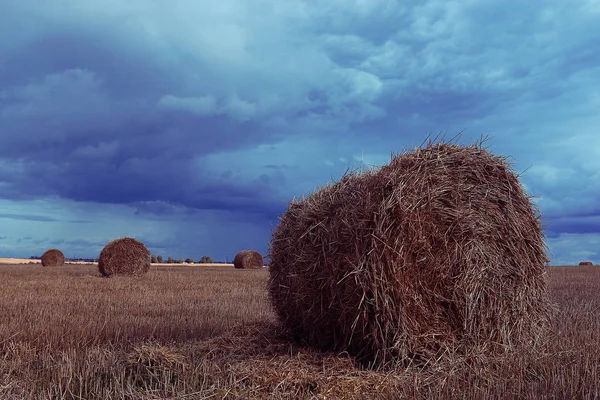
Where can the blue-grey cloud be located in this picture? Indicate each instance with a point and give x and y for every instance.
(22, 217)
(84, 243)
(584, 225)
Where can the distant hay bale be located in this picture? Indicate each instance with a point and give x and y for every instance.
(586, 263)
(248, 259)
(124, 256)
(53, 258)
(439, 250)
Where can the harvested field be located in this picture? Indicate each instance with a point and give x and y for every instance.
(210, 333)
(11, 261)
(19, 261)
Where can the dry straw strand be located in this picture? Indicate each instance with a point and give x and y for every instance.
(124, 256)
(248, 259)
(53, 258)
(440, 250)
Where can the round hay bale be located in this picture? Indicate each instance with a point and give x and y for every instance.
(248, 259)
(441, 249)
(53, 258)
(124, 256)
(586, 263)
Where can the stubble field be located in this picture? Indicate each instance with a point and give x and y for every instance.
(209, 332)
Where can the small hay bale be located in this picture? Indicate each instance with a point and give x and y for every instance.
(248, 259)
(124, 256)
(53, 258)
(586, 263)
(440, 250)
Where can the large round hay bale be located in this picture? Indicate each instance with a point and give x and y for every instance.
(124, 256)
(441, 249)
(248, 259)
(53, 258)
(586, 263)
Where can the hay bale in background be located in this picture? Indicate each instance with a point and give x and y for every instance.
(248, 259)
(586, 263)
(124, 256)
(441, 249)
(53, 258)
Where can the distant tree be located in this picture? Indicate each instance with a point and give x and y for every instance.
(159, 259)
(170, 260)
(206, 260)
(180, 261)
(189, 260)
(153, 259)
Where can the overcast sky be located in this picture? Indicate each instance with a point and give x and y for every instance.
(191, 124)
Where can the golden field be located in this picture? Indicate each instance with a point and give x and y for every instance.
(18, 261)
(12, 261)
(195, 333)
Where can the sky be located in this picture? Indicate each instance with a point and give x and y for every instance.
(190, 124)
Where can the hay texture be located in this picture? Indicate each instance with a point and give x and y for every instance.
(439, 250)
(248, 259)
(124, 256)
(53, 258)
(586, 264)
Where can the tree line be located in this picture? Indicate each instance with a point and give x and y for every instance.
(170, 260)
(153, 258)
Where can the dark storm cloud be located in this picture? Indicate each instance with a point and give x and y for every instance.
(159, 179)
(113, 161)
(258, 199)
(587, 225)
(80, 120)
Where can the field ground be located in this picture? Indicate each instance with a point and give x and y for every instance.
(195, 333)
(12, 261)
(19, 261)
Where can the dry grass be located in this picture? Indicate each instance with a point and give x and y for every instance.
(194, 333)
(64, 310)
(12, 261)
(4, 261)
